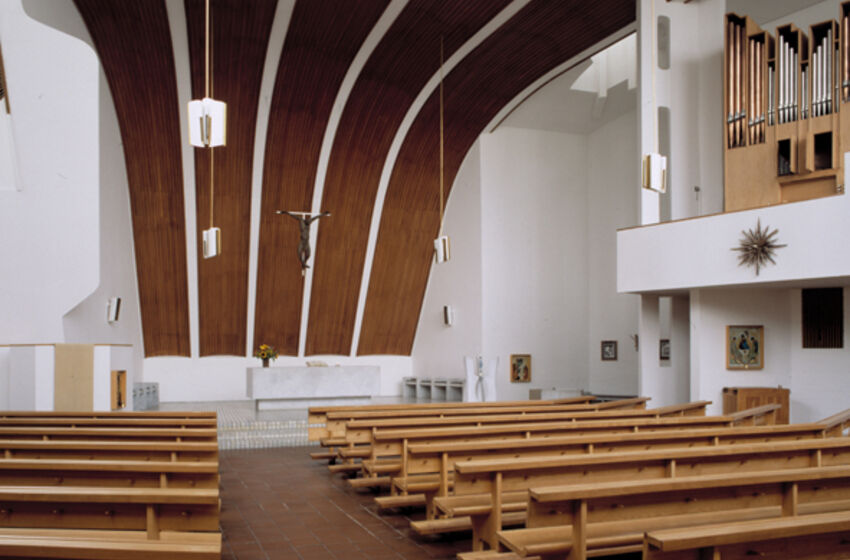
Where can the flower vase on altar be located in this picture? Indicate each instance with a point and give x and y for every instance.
(265, 353)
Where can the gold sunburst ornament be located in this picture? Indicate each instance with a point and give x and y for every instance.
(757, 247)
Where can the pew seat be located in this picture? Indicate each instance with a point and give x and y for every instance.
(370, 482)
(402, 501)
(361, 452)
(612, 517)
(380, 466)
(822, 536)
(488, 555)
(459, 524)
(86, 544)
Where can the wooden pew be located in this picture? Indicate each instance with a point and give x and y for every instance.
(337, 421)
(358, 439)
(359, 431)
(82, 421)
(79, 544)
(192, 451)
(108, 473)
(359, 436)
(387, 448)
(113, 485)
(317, 416)
(107, 414)
(430, 466)
(597, 519)
(838, 423)
(823, 536)
(96, 432)
(485, 490)
(87, 522)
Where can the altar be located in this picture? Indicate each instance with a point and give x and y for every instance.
(303, 386)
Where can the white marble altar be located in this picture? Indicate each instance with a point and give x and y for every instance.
(302, 386)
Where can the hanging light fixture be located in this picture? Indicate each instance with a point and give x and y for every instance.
(654, 165)
(442, 245)
(207, 129)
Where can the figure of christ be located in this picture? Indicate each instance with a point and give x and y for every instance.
(304, 221)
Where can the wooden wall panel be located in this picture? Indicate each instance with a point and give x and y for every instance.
(73, 377)
(322, 40)
(407, 56)
(541, 36)
(133, 42)
(240, 35)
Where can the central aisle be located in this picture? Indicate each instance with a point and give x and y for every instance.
(280, 504)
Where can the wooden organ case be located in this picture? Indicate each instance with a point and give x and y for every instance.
(786, 122)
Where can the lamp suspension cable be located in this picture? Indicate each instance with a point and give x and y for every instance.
(208, 93)
(442, 156)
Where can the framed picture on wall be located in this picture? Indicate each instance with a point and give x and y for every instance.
(664, 349)
(609, 350)
(520, 368)
(744, 347)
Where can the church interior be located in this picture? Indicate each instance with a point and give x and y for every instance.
(415, 279)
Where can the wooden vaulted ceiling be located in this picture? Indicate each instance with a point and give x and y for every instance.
(134, 44)
(322, 41)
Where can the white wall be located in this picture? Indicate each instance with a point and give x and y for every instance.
(692, 90)
(49, 229)
(438, 350)
(533, 217)
(31, 378)
(534, 253)
(5, 358)
(612, 156)
(817, 378)
(697, 253)
(223, 378)
(711, 312)
(86, 323)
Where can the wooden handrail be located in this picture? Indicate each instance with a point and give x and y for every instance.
(680, 407)
(755, 412)
(840, 419)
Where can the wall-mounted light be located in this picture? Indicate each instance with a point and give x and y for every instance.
(448, 315)
(113, 309)
(653, 164)
(654, 172)
(212, 242)
(442, 249)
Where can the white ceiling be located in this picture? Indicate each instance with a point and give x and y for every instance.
(763, 11)
(560, 106)
(569, 104)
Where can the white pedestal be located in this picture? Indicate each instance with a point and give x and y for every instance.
(302, 387)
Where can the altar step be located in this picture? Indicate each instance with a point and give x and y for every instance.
(262, 434)
(241, 426)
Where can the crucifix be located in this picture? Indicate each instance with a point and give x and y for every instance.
(304, 220)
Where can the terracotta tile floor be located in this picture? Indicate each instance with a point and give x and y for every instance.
(279, 504)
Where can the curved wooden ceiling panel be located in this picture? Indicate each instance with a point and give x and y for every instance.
(321, 42)
(240, 39)
(401, 64)
(133, 42)
(541, 36)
